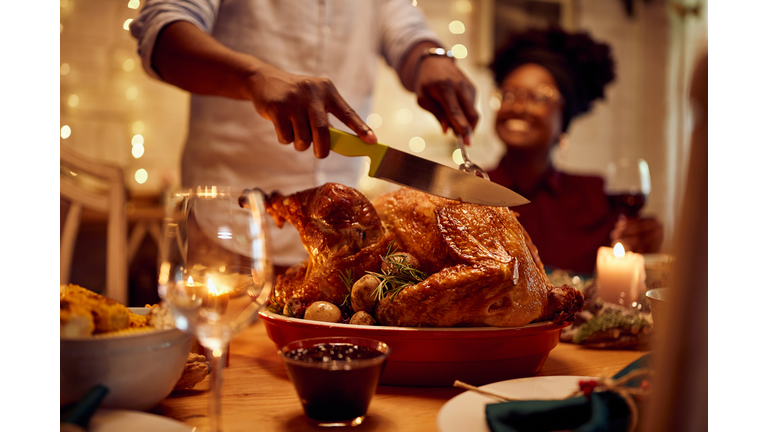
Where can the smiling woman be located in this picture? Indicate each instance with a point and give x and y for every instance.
(547, 78)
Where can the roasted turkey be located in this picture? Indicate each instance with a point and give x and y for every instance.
(343, 236)
(482, 268)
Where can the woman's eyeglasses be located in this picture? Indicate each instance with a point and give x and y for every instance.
(542, 96)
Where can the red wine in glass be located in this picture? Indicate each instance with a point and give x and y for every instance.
(627, 185)
(626, 203)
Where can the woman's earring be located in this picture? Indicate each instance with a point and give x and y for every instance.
(564, 144)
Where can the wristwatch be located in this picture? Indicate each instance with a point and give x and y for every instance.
(439, 52)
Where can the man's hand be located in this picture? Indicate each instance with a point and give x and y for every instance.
(642, 235)
(298, 106)
(442, 89)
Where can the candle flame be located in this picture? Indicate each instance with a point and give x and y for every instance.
(618, 250)
(212, 288)
(190, 282)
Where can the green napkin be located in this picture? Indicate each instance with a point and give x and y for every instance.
(600, 412)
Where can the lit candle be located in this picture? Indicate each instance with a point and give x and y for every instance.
(217, 299)
(620, 275)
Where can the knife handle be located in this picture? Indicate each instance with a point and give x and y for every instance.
(351, 145)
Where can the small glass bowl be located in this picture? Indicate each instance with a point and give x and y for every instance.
(335, 377)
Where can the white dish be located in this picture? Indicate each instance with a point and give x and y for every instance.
(105, 420)
(466, 412)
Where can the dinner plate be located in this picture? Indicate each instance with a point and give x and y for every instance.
(105, 420)
(466, 412)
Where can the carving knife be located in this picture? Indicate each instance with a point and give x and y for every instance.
(405, 169)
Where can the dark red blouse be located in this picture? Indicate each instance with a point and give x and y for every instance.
(568, 218)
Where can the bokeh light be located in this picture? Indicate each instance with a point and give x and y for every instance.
(64, 3)
(127, 23)
(141, 176)
(137, 139)
(66, 131)
(374, 121)
(128, 65)
(134, 4)
(417, 144)
(131, 93)
(456, 27)
(457, 157)
(404, 116)
(73, 100)
(138, 127)
(367, 183)
(459, 51)
(137, 151)
(64, 68)
(464, 6)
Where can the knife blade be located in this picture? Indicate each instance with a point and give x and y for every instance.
(405, 169)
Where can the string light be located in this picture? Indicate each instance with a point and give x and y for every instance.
(367, 183)
(64, 68)
(66, 131)
(134, 4)
(457, 157)
(456, 27)
(127, 23)
(138, 127)
(141, 176)
(404, 116)
(459, 51)
(137, 151)
(463, 6)
(417, 144)
(374, 121)
(73, 100)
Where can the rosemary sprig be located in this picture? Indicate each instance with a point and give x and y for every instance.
(348, 278)
(398, 274)
(274, 306)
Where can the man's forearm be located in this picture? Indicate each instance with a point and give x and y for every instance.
(191, 59)
(409, 66)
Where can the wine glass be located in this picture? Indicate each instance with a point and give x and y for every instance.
(627, 185)
(215, 267)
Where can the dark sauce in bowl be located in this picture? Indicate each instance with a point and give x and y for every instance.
(335, 381)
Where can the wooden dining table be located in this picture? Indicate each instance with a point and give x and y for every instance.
(257, 394)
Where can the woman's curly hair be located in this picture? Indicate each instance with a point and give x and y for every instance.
(581, 66)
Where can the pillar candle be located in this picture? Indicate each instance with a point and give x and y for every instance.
(620, 275)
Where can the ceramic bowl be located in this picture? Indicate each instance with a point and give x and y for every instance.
(140, 370)
(659, 302)
(436, 357)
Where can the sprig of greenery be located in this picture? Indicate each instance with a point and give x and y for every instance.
(609, 319)
(398, 274)
(348, 278)
(274, 306)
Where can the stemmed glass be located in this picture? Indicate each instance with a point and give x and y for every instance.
(215, 265)
(627, 185)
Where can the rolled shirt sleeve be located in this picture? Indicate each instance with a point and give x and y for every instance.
(156, 14)
(403, 26)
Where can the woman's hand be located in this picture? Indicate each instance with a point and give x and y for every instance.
(642, 235)
(298, 106)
